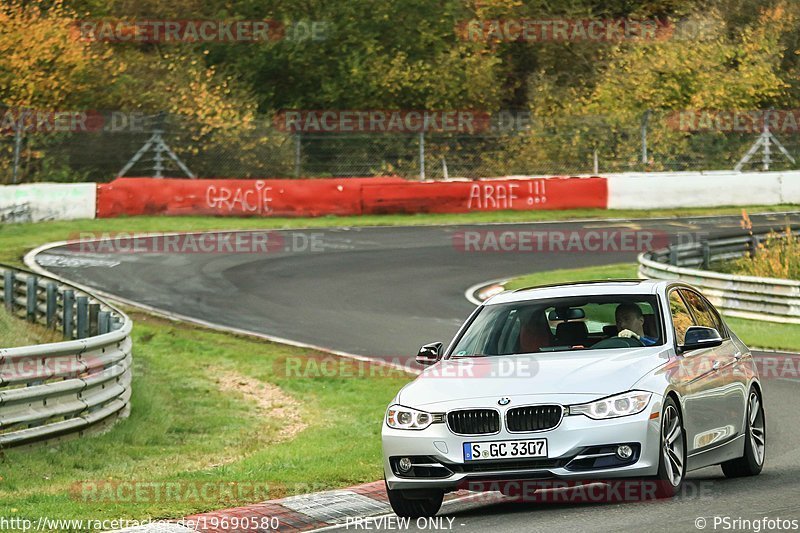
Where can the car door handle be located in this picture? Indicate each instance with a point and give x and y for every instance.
(737, 356)
(715, 366)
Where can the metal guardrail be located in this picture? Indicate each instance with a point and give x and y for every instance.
(62, 389)
(775, 300)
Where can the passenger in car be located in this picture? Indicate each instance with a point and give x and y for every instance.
(535, 333)
(630, 323)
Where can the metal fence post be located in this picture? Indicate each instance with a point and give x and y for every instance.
(68, 312)
(673, 256)
(52, 305)
(94, 310)
(8, 290)
(645, 121)
(298, 152)
(706, 255)
(421, 156)
(103, 322)
(17, 146)
(31, 286)
(82, 315)
(752, 246)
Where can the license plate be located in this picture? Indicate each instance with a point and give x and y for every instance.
(505, 449)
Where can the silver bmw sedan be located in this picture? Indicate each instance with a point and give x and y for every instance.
(612, 380)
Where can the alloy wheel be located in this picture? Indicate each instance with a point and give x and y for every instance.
(672, 445)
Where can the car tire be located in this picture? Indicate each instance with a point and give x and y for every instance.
(672, 451)
(415, 503)
(755, 441)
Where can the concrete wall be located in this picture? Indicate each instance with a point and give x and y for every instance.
(701, 189)
(36, 202)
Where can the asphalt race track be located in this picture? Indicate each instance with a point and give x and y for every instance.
(384, 291)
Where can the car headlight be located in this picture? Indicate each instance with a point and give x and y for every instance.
(627, 403)
(399, 417)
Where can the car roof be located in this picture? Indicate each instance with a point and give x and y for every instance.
(580, 288)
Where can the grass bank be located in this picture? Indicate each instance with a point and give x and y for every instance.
(242, 420)
(16, 332)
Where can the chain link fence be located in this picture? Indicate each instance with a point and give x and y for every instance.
(88, 146)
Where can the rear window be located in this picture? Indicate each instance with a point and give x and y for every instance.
(562, 324)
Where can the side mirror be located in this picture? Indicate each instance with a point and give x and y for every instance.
(700, 337)
(430, 353)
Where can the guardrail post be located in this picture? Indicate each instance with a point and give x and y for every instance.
(31, 287)
(82, 314)
(68, 313)
(706, 255)
(673, 256)
(103, 322)
(753, 245)
(52, 305)
(8, 290)
(94, 310)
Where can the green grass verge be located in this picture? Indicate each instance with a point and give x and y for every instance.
(15, 332)
(617, 271)
(186, 427)
(753, 332)
(16, 239)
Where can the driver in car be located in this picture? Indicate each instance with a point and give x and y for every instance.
(630, 323)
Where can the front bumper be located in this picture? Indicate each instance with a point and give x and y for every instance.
(570, 439)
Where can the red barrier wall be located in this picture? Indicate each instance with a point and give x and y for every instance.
(342, 196)
(485, 195)
(277, 197)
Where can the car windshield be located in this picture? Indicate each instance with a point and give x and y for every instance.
(562, 324)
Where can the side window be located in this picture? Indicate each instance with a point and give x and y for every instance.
(681, 318)
(723, 330)
(704, 314)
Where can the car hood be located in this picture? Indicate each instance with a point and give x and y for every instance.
(595, 373)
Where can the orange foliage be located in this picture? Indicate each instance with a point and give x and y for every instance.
(42, 62)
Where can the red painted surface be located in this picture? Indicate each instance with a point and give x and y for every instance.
(342, 196)
(269, 197)
(486, 195)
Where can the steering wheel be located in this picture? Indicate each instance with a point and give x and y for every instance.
(619, 342)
